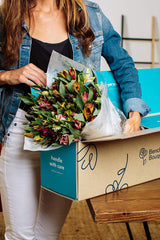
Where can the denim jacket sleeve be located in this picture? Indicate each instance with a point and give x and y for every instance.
(123, 68)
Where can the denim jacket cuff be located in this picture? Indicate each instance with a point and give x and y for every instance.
(136, 104)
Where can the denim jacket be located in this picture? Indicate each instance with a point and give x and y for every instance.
(106, 44)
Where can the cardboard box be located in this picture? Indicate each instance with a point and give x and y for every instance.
(87, 169)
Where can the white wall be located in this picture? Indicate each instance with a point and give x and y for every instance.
(138, 14)
(138, 18)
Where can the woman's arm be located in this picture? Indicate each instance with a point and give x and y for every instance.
(125, 74)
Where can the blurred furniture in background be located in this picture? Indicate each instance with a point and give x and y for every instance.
(153, 39)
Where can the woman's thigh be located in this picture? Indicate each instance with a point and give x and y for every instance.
(19, 183)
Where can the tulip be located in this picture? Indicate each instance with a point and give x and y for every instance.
(77, 124)
(85, 97)
(76, 86)
(72, 73)
(87, 111)
(63, 74)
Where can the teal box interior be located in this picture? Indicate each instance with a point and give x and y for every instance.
(58, 167)
(150, 84)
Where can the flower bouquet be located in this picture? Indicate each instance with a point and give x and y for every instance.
(58, 114)
(73, 106)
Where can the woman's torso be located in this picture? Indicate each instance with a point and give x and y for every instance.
(9, 95)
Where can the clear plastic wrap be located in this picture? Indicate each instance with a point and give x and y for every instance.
(109, 121)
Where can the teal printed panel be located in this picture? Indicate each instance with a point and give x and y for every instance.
(58, 170)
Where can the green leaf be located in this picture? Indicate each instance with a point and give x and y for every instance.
(69, 78)
(55, 144)
(95, 77)
(42, 88)
(70, 137)
(70, 86)
(82, 88)
(64, 131)
(63, 79)
(79, 102)
(62, 90)
(81, 77)
(55, 106)
(29, 117)
(79, 117)
(96, 111)
(27, 100)
(76, 133)
(90, 96)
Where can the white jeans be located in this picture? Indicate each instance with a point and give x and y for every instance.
(30, 213)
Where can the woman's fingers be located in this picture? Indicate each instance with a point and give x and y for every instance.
(133, 123)
(34, 74)
(29, 74)
(33, 78)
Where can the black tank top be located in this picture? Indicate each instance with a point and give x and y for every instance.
(41, 52)
(40, 55)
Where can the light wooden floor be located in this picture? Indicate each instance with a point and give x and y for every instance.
(80, 226)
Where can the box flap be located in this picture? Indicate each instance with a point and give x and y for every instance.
(124, 136)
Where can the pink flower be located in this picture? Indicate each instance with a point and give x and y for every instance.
(45, 103)
(85, 97)
(61, 117)
(77, 124)
(64, 139)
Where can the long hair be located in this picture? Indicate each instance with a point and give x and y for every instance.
(14, 11)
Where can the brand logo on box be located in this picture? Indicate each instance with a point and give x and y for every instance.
(151, 154)
(142, 154)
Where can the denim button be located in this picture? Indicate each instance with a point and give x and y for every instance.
(78, 46)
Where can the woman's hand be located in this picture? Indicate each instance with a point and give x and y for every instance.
(133, 123)
(29, 74)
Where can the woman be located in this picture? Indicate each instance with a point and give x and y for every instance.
(30, 30)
